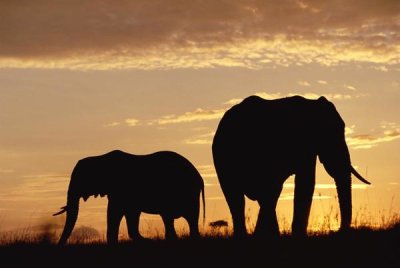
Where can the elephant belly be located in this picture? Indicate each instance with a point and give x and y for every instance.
(161, 205)
(257, 182)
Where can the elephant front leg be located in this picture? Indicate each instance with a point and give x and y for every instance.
(114, 216)
(170, 233)
(303, 193)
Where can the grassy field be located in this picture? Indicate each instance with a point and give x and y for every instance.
(361, 247)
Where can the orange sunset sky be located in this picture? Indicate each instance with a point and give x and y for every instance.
(81, 78)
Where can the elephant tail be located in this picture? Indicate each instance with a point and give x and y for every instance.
(204, 204)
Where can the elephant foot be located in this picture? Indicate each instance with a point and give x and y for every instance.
(299, 233)
(240, 235)
(345, 231)
(171, 237)
(112, 242)
(136, 237)
(266, 234)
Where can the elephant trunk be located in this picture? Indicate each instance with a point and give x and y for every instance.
(345, 203)
(72, 210)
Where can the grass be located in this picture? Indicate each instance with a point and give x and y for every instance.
(364, 246)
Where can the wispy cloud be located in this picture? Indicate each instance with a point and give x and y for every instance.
(265, 95)
(112, 124)
(322, 82)
(195, 116)
(350, 87)
(203, 139)
(6, 171)
(328, 186)
(209, 175)
(390, 132)
(201, 114)
(289, 197)
(38, 187)
(304, 83)
(131, 122)
(186, 34)
(207, 171)
(309, 95)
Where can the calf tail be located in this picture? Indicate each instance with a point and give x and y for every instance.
(204, 205)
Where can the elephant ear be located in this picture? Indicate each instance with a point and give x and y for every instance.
(89, 178)
(330, 129)
(330, 121)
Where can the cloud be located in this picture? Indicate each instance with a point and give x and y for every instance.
(390, 132)
(322, 82)
(304, 83)
(112, 124)
(38, 187)
(350, 87)
(260, 94)
(131, 122)
(216, 198)
(207, 171)
(204, 139)
(288, 197)
(309, 95)
(99, 34)
(200, 114)
(6, 171)
(195, 116)
(325, 186)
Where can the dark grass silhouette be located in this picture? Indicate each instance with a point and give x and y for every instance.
(362, 247)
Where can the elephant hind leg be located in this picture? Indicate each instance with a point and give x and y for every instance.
(193, 227)
(267, 222)
(193, 221)
(170, 233)
(132, 221)
(236, 205)
(114, 217)
(192, 217)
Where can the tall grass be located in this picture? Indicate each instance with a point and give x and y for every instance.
(318, 226)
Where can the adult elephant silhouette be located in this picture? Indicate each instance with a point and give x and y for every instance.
(259, 143)
(162, 183)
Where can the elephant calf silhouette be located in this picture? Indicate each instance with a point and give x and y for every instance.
(259, 143)
(162, 183)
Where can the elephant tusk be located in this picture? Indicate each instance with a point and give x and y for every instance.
(359, 176)
(63, 209)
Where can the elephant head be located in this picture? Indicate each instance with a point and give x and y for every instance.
(334, 154)
(80, 186)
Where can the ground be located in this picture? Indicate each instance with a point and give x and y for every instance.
(358, 248)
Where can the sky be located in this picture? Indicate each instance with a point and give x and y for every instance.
(81, 78)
